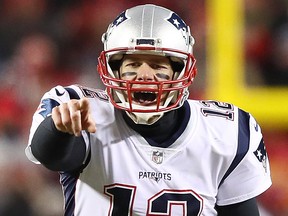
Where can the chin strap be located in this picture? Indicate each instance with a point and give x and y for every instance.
(145, 118)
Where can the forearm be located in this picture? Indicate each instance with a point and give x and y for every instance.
(56, 150)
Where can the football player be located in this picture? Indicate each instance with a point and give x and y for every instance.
(141, 147)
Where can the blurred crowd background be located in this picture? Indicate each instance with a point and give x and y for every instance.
(44, 43)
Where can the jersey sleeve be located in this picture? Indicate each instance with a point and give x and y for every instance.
(50, 99)
(251, 175)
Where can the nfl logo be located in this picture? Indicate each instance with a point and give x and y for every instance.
(157, 157)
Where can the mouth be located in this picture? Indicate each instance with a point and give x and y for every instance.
(145, 97)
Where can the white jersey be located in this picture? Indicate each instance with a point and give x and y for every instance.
(219, 158)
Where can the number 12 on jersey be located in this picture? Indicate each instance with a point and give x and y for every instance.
(163, 203)
(220, 109)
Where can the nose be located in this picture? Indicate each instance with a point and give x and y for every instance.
(145, 73)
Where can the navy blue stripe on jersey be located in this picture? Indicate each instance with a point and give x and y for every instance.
(166, 130)
(68, 182)
(243, 142)
(182, 122)
(72, 93)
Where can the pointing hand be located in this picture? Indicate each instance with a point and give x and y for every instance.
(73, 117)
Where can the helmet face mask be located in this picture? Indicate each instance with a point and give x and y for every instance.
(147, 30)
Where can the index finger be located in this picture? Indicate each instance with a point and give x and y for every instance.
(87, 121)
(84, 105)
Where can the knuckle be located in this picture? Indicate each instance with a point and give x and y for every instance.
(75, 116)
(73, 103)
(66, 122)
(59, 126)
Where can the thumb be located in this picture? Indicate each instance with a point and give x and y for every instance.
(87, 120)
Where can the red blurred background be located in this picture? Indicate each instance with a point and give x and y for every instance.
(45, 43)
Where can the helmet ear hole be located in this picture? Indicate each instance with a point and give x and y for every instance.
(115, 64)
(177, 66)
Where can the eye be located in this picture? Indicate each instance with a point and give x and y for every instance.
(133, 64)
(158, 66)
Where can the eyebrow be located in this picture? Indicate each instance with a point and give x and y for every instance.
(153, 61)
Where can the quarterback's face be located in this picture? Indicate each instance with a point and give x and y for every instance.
(147, 69)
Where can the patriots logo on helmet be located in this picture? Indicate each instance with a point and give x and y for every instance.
(177, 22)
(121, 18)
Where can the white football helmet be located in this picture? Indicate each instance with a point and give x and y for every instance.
(152, 30)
